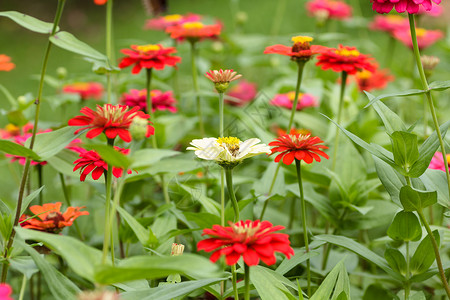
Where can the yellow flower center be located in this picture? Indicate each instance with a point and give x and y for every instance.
(395, 19)
(364, 74)
(291, 96)
(112, 113)
(448, 159)
(12, 128)
(299, 138)
(231, 143)
(148, 48)
(81, 85)
(193, 25)
(173, 18)
(302, 39)
(421, 32)
(347, 52)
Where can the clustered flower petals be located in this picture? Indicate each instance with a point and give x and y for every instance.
(300, 51)
(251, 240)
(194, 31)
(113, 120)
(49, 218)
(243, 92)
(86, 90)
(377, 80)
(160, 100)
(410, 6)
(329, 9)
(227, 151)
(164, 22)
(91, 162)
(389, 23)
(298, 146)
(425, 38)
(222, 76)
(5, 63)
(5, 291)
(148, 56)
(287, 100)
(437, 162)
(345, 59)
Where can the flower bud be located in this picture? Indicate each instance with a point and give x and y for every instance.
(138, 128)
(429, 63)
(61, 72)
(177, 249)
(217, 46)
(241, 17)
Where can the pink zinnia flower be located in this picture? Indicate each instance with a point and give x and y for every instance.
(389, 23)
(21, 139)
(345, 59)
(160, 100)
(194, 31)
(437, 162)
(163, 22)
(5, 291)
(435, 11)
(287, 100)
(425, 38)
(243, 92)
(86, 90)
(11, 130)
(410, 6)
(329, 9)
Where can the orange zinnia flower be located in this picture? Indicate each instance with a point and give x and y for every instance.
(100, 2)
(86, 90)
(49, 217)
(5, 63)
(163, 22)
(377, 80)
(148, 56)
(300, 51)
(344, 59)
(194, 31)
(298, 146)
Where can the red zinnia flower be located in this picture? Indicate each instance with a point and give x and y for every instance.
(100, 2)
(298, 146)
(243, 92)
(113, 120)
(281, 132)
(377, 80)
(160, 100)
(287, 100)
(389, 23)
(253, 240)
(90, 161)
(49, 217)
(5, 63)
(194, 31)
(148, 56)
(86, 90)
(301, 50)
(344, 59)
(411, 6)
(163, 22)
(425, 38)
(329, 9)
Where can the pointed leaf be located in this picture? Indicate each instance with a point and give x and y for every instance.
(391, 120)
(29, 198)
(415, 200)
(70, 43)
(28, 22)
(398, 94)
(396, 260)
(299, 257)
(424, 256)
(111, 155)
(267, 285)
(145, 236)
(391, 180)
(405, 227)
(404, 148)
(19, 150)
(326, 288)
(439, 85)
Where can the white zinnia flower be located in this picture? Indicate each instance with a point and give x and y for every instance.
(228, 151)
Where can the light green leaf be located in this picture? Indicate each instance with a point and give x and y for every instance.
(145, 236)
(326, 288)
(299, 257)
(28, 22)
(391, 120)
(396, 260)
(29, 198)
(436, 180)
(404, 148)
(424, 256)
(146, 157)
(267, 284)
(70, 43)
(411, 92)
(405, 227)
(19, 150)
(208, 204)
(102, 66)
(415, 200)
(391, 180)
(439, 85)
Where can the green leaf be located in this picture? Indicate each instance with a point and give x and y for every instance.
(396, 260)
(424, 256)
(415, 200)
(405, 227)
(398, 94)
(19, 150)
(208, 204)
(146, 157)
(24, 265)
(436, 180)
(8, 95)
(29, 198)
(326, 288)
(361, 250)
(60, 286)
(101, 66)
(299, 257)
(16, 117)
(152, 267)
(342, 287)
(404, 148)
(376, 292)
(70, 43)
(28, 22)
(427, 150)
(169, 291)
(391, 120)
(50, 143)
(267, 284)
(439, 85)
(111, 156)
(391, 179)
(145, 236)
(82, 259)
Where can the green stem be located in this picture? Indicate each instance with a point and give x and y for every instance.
(26, 169)
(196, 89)
(165, 189)
(109, 51)
(407, 283)
(234, 282)
(423, 78)
(40, 183)
(22, 287)
(278, 19)
(436, 252)
(108, 223)
(221, 104)
(149, 103)
(247, 282)
(229, 178)
(67, 198)
(339, 117)
(305, 228)
(301, 66)
(222, 197)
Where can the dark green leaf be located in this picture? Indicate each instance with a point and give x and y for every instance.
(16, 149)
(327, 286)
(111, 155)
(145, 236)
(29, 198)
(424, 256)
(299, 257)
(70, 43)
(405, 227)
(17, 118)
(396, 260)
(415, 200)
(267, 284)
(439, 85)
(28, 22)
(391, 179)
(404, 148)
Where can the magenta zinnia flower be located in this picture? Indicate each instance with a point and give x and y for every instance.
(287, 100)
(243, 92)
(425, 38)
(437, 162)
(410, 6)
(160, 100)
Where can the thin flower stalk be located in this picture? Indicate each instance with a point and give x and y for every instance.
(339, 117)
(109, 48)
(234, 281)
(229, 178)
(26, 169)
(196, 89)
(108, 229)
(149, 103)
(428, 95)
(247, 282)
(67, 198)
